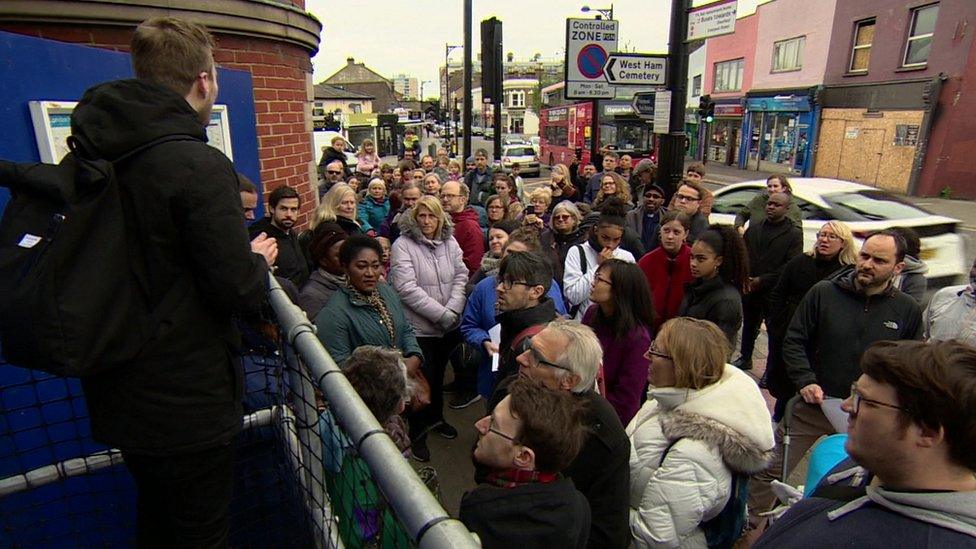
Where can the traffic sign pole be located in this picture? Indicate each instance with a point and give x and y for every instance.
(672, 157)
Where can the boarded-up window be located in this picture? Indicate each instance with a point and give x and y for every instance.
(863, 38)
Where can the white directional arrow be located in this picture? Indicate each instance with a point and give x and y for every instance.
(636, 69)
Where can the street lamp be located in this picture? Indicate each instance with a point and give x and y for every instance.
(605, 12)
(448, 48)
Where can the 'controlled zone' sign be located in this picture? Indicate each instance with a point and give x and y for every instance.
(589, 43)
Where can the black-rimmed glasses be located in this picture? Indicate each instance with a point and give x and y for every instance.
(652, 351)
(491, 429)
(538, 359)
(857, 398)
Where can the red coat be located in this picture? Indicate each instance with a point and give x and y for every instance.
(667, 278)
(467, 232)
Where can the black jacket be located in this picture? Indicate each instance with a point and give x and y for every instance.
(184, 394)
(768, 256)
(535, 515)
(555, 246)
(833, 326)
(601, 472)
(716, 301)
(513, 322)
(292, 262)
(330, 155)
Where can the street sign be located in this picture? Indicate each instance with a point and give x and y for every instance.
(712, 20)
(643, 104)
(635, 69)
(588, 45)
(662, 112)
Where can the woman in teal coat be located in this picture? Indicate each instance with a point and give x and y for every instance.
(366, 311)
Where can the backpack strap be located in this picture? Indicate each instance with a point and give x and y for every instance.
(582, 259)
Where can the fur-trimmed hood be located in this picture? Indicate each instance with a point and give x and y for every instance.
(409, 227)
(730, 414)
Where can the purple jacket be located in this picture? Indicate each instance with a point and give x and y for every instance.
(429, 275)
(624, 365)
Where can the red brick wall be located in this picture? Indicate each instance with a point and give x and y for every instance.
(280, 93)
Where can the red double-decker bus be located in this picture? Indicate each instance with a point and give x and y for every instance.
(565, 130)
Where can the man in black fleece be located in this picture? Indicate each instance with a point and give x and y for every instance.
(834, 324)
(175, 410)
(284, 204)
(526, 442)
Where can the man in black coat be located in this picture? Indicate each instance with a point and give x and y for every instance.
(175, 411)
(284, 205)
(771, 243)
(601, 471)
(525, 501)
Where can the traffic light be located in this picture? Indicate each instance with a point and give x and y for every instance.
(706, 109)
(491, 60)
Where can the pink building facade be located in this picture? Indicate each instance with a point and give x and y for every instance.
(728, 75)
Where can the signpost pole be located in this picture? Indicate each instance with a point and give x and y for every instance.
(468, 69)
(594, 128)
(671, 160)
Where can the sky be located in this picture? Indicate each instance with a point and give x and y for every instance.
(396, 36)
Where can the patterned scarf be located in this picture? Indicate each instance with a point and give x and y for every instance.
(375, 301)
(513, 478)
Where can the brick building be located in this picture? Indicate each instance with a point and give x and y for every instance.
(360, 78)
(274, 41)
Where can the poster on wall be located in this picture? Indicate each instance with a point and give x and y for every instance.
(906, 135)
(52, 126)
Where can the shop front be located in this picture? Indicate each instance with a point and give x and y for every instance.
(723, 134)
(777, 132)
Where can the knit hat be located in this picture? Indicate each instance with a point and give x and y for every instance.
(506, 225)
(654, 187)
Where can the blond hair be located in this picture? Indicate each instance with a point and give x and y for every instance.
(328, 208)
(545, 193)
(698, 349)
(172, 52)
(848, 253)
(434, 205)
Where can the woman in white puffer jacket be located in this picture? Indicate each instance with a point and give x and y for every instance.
(715, 421)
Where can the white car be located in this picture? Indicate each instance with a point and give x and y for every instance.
(523, 154)
(865, 209)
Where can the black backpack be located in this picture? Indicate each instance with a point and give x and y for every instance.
(73, 279)
(725, 528)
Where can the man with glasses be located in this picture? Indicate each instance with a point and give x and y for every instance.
(525, 443)
(911, 479)
(566, 356)
(467, 229)
(688, 200)
(833, 325)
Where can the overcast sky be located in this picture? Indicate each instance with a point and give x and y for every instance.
(396, 36)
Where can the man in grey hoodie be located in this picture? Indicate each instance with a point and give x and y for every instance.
(912, 437)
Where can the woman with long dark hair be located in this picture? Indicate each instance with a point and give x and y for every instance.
(622, 316)
(720, 267)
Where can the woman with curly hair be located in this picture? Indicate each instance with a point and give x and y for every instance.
(612, 184)
(720, 267)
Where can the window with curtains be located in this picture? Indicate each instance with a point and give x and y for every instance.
(788, 54)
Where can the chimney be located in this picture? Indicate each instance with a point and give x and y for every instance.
(350, 61)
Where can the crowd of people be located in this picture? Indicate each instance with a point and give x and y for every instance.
(617, 291)
(596, 316)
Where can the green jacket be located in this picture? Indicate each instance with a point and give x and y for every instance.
(756, 209)
(346, 323)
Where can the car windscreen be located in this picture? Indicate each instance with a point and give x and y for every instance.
(519, 151)
(872, 206)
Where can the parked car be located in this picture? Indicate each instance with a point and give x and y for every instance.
(523, 154)
(324, 139)
(515, 140)
(865, 209)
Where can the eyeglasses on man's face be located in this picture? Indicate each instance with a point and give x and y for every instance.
(536, 358)
(685, 198)
(857, 398)
(491, 429)
(509, 284)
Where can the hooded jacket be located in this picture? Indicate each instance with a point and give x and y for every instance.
(833, 326)
(951, 314)
(770, 247)
(720, 429)
(371, 213)
(184, 393)
(880, 518)
(912, 279)
(467, 232)
(429, 275)
(319, 287)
